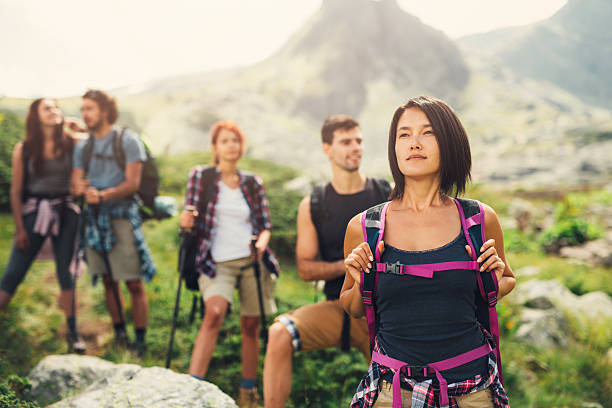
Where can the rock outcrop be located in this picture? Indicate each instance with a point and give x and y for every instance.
(72, 381)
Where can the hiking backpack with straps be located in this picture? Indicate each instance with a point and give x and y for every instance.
(148, 189)
(472, 225)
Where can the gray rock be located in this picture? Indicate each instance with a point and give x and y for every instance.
(539, 292)
(543, 322)
(84, 381)
(522, 211)
(588, 404)
(594, 305)
(543, 328)
(153, 387)
(596, 253)
(56, 377)
(528, 271)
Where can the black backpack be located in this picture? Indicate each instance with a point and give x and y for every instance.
(149, 181)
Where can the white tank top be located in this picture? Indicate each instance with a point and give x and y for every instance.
(233, 228)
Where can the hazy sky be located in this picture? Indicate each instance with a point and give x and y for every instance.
(61, 47)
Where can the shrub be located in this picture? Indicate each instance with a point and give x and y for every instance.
(11, 131)
(12, 393)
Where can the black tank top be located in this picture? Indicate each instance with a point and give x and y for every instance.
(422, 320)
(338, 209)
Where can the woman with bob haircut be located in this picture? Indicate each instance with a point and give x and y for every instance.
(415, 266)
(42, 207)
(226, 209)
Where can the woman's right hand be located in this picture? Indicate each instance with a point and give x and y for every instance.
(361, 258)
(187, 219)
(22, 240)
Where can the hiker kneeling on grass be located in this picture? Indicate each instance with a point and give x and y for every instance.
(226, 208)
(427, 269)
(42, 206)
(114, 243)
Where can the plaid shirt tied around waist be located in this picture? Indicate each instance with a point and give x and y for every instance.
(98, 234)
(205, 222)
(425, 393)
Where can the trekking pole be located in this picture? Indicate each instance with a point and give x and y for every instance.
(186, 238)
(81, 204)
(107, 265)
(264, 331)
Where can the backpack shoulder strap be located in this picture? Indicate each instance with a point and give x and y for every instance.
(25, 158)
(207, 185)
(372, 226)
(317, 201)
(382, 187)
(118, 151)
(251, 182)
(473, 223)
(87, 153)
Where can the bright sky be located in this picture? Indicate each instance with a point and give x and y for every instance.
(61, 47)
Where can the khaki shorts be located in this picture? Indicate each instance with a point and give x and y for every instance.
(479, 399)
(319, 326)
(123, 256)
(229, 277)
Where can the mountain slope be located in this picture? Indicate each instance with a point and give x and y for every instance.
(572, 49)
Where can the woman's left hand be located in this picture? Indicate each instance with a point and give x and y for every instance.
(488, 259)
(261, 248)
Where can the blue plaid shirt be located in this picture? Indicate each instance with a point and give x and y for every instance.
(205, 223)
(98, 233)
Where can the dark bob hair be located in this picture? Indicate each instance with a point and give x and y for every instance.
(455, 155)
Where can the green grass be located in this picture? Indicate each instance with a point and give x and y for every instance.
(32, 324)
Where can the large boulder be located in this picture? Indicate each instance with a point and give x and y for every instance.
(546, 303)
(83, 381)
(543, 328)
(538, 294)
(595, 253)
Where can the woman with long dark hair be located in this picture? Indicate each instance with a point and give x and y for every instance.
(42, 207)
(427, 268)
(227, 208)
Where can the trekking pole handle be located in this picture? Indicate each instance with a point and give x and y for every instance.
(194, 213)
(254, 253)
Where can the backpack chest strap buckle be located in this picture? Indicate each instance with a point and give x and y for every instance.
(395, 268)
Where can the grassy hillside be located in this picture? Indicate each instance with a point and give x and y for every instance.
(33, 326)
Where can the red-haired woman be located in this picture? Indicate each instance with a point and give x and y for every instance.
(227, 208)
(42, 207)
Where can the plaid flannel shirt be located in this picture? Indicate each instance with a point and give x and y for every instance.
(205, 223)
(98, 234)
(425, 393)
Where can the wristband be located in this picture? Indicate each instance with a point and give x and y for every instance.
(99, 196)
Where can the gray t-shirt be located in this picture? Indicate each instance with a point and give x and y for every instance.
(104, 172)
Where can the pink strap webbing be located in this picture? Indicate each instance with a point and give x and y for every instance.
(381, 231)
(367, 298)
(436, 367)
(493, 321)
(465, 228)
(427, 270)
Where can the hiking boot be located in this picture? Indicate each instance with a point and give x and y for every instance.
(139, 348)
(75, 343)
(249, 398)
(121, 339)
